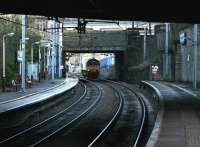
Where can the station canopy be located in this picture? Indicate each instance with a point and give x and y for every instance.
(143, 10)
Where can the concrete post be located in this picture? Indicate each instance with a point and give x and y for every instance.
(195, 57)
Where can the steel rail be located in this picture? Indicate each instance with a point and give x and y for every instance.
(112, 121)
(48, 119)
(72, 121)
(144, 111)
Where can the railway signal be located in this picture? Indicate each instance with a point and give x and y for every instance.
(67, 56)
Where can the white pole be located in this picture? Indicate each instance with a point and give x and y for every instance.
(23, 51)
(44, 62)
(20, 62)
(52, 63)
(166, 50)
(4, 74)
(53, 52)
(32, 60)
(60, 49)
(195, 57)
(48, 61)
(81, 61)
(93, 55)
(66, 65)
(145, 44)
(59, 61)
(39, 63)
(57, 49)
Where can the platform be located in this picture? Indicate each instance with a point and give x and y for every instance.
(36, 87)
(186, 87)
(11, 101)
(179, 124)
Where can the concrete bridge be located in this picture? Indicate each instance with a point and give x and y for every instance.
(95, 41)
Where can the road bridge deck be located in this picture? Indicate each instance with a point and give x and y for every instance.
(95, 41)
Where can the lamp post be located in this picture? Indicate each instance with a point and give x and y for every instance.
(4, 73)
(35, 43)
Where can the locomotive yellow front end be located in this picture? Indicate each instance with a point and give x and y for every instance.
(93, 68)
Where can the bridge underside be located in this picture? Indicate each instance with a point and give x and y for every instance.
(104, 9)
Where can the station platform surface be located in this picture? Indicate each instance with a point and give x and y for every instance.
(38, 92)
(185, 87)
(178, 121)
(36, 87)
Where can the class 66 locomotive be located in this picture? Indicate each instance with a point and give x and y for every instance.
(92, 69)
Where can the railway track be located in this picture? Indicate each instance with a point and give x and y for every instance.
(65, 118)
(109, 124)
(92, 125)
(116, 132)
(14, 121)
(143, 117)
(107, 114)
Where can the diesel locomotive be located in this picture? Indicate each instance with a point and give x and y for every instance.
(92, 68)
